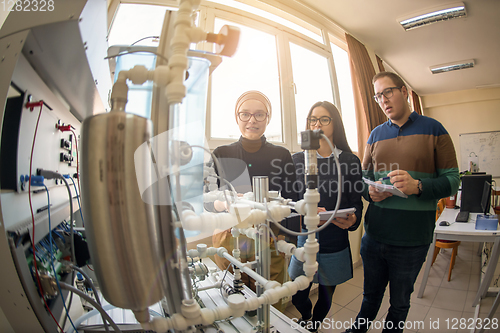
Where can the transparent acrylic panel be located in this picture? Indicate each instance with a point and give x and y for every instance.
(312, 82)
(189, 126)
(139, 96)
(343, 71)
(253, 67)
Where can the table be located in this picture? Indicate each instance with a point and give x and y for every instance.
(464, 232)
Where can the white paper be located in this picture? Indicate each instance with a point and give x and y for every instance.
(385, 188)
(324, 216)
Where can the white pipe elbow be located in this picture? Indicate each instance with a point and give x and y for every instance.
(197, 34)
(300, 207)
(251, 233)
(300, 254)
(279, 212)
(287, 248)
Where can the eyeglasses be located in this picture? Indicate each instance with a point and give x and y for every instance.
(324, 121)
(387, 92)
(245, 116)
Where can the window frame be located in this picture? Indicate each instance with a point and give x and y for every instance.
(331, 33)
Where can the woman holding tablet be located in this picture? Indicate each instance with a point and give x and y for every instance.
(334, 257)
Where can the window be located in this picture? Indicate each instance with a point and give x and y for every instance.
(311, 31)
(311, 82)
(254, 66)
(129, 24)
(342, 69)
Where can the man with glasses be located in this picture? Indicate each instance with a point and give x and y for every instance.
(252, 155)
(416, 154)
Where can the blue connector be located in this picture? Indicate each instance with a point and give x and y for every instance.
(37, 180)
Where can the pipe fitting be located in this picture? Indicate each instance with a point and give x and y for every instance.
(287, 248)
(300, 207)
(221, 251)
(191, 310)
(138, 74)
(300, 254)
(237, 304)
(279, 212)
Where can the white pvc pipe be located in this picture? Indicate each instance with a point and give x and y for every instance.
(245, 269)
(236, 307)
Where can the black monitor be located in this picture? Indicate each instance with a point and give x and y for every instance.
(472, 192)
(485, 200)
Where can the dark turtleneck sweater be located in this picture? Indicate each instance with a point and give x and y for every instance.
(244, 159)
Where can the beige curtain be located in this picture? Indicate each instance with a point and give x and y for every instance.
(415, 101)
(362, 72)
(380, 64)
(361, 123)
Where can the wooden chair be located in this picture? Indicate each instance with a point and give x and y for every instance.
(445, 244)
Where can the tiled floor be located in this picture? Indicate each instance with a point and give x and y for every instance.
(442, 305)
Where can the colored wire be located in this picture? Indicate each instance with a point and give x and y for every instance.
(148, 37)
(52, 261)
(33, 223)
(77, 167)
(78, 198)
(222, 281)
(72, 235)
(94, 303)
(95, 293)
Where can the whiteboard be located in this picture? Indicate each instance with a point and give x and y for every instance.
(486, 145)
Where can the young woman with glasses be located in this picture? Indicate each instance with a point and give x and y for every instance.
(334, 257)
(252, 155)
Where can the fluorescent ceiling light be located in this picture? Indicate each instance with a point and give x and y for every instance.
(452, 66)
(433, 15)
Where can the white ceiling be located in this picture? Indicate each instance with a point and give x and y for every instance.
(411, 53)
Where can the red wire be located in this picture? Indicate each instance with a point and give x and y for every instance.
(78, 171)
(90, 268)
(33, 220)
(77, 168)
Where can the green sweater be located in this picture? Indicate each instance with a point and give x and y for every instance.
(423, 148)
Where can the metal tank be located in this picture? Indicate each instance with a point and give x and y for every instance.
(120, 222)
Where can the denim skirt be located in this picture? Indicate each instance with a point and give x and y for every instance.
(333, 269)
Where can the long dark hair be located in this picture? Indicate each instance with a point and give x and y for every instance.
(339, 138)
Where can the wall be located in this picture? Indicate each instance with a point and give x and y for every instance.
(465, 111)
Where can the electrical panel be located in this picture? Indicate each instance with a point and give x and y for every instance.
(48, 88)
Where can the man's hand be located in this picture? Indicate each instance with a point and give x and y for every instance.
(377, 195)
(402, 180)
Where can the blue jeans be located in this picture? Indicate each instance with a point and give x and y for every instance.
(382, 264)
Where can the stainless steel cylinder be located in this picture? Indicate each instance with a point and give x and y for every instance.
(311, 162)
(120, 222)
(263, 252)
(260, 185)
